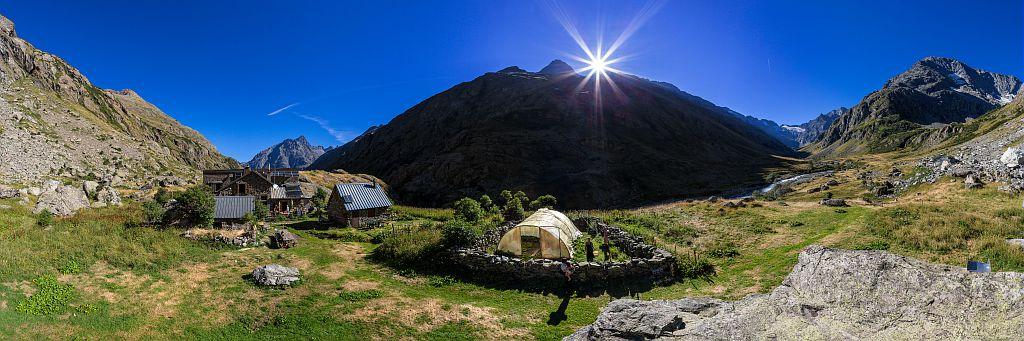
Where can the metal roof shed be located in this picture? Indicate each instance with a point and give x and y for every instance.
(233, 207)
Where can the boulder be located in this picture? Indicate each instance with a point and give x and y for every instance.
(275, 275)
(836, 295)
(108, 196)
(34, 191)
(62, 201)
(90, 188)
(8, 192)
(1012, 157)
(283, 239)
(972, 181)
(884, 189)
(834, 202)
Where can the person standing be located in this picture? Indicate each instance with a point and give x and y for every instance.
(590, 249)
(606, 247)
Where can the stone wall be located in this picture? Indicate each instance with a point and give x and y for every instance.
(648, 264)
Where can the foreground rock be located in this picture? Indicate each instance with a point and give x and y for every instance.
(275, 275)
(836, 294)
(61, 200)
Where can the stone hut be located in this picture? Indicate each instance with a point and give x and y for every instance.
(356, 203)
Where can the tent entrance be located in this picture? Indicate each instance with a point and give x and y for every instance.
(530, 246)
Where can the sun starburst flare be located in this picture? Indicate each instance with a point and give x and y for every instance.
(598, 60)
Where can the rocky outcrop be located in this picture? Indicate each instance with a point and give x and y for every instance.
(55, 123)
(544, 134)
(836, 294)
(61, 200)
(923, 106)
(283, 239)
(275, 275)
(291, 153)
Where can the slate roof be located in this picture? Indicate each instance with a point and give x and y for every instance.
(362, 196)
(233, 207)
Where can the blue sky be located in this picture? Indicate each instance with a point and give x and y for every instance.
(221, 67)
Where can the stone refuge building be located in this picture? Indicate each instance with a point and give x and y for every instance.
(357, 203)
(280, 189)
(229, 210)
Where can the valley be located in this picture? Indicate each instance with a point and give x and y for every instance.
(565, 203)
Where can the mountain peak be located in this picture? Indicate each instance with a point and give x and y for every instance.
(290, 153)
(557, 67)
(511, 69)
(7, 26)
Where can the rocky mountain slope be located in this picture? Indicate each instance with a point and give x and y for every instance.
(55, 123)
(836, 294)
(541, 133)
(290, 153)
(915, 108)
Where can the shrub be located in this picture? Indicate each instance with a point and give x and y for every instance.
(44, 218)
(514, 210)
(458, 234)
(545, 201)
(467, 209)
(523, 199)
(195, 206)
(487, 204)
(152, 212)
(723, 249)
(506, 197)
(260, 211)
(410, 248)
(163, 196)
(250, 218)
(320, 202)
(441, 281)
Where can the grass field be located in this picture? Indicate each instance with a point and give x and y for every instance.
(100, 275)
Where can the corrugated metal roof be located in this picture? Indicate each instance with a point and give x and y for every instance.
(362, 196)
(233, 207)
(278, 192)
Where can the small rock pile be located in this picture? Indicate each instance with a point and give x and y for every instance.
(283, 239)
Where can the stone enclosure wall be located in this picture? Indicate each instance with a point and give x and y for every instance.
(648, 265)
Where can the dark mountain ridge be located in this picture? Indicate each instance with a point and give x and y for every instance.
(542, 133)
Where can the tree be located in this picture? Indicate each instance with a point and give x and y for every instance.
(260, 211)
(250, 218)
(506, 197)
(523, 199)
(514, 210)
(467, 209)
(486, 203)
(196, 206)
(320, 201)
(545, 201)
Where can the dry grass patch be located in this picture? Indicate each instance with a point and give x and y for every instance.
(427, 314)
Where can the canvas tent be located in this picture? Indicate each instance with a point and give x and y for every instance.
(544, 234)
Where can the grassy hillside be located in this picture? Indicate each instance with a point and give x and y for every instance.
(101, 275)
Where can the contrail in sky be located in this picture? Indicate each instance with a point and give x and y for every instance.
(341, 136)
(278, 111)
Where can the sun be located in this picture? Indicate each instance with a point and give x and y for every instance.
(598, 64)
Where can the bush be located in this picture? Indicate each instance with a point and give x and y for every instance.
(320, 202)
(506, 197)
(163, 196)
(523, 199)
(250, 219)
(260, 211)
(44, 218)
(487, 204)
(544, 201)
(152, 212)
(467, 209)
(410, 248)
(195, 206)
(514, 210)
(458, 234)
